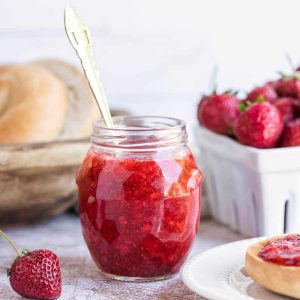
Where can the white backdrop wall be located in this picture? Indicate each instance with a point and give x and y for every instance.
(156, 56)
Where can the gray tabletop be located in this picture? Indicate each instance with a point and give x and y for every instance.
(81, 279)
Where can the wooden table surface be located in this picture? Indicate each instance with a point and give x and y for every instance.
(81, 279)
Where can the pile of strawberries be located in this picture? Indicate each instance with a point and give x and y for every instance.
(268, 117)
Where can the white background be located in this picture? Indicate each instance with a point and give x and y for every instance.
(156, 56)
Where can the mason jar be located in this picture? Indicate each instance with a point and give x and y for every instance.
(139, 197)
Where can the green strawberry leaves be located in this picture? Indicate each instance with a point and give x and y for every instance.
(294, 75)
(231, 92)
(243, 105)
(260, 99)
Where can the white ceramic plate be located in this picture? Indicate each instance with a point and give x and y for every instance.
(218, 274)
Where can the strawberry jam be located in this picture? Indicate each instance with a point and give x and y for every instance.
(139, 211)
(284, 251)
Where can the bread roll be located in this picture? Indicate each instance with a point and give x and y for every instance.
(33, 104)
(82, 108)
(277, 278)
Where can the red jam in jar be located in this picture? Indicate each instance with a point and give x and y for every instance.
(139, 198)
(284, 251)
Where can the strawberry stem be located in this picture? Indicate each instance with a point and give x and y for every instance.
(213, 80)
(10, 242)
(290, 61)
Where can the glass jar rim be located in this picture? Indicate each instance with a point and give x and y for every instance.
(140, 133)
(176, 123)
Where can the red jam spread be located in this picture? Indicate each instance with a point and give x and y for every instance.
(139, 216)
(284, 251)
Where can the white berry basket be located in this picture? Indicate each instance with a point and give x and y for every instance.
(254, 191)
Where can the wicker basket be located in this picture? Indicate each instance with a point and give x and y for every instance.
(37, 181)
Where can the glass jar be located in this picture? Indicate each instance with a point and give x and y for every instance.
(139, 198)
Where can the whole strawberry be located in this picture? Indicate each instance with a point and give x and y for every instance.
(35, 274)
(273, 84)
(288, 108)
(291, 134)
(260, 126)
(218, 112)
(288, 86)
(265, 93)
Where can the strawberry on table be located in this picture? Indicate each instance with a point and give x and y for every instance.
(35, 274)
(291, 134)
(218, 112)
(265, 92)
(288, 108)
(260, 125)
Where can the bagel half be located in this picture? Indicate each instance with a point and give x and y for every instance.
(33, 104)
(281, 279)
(82, 109)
